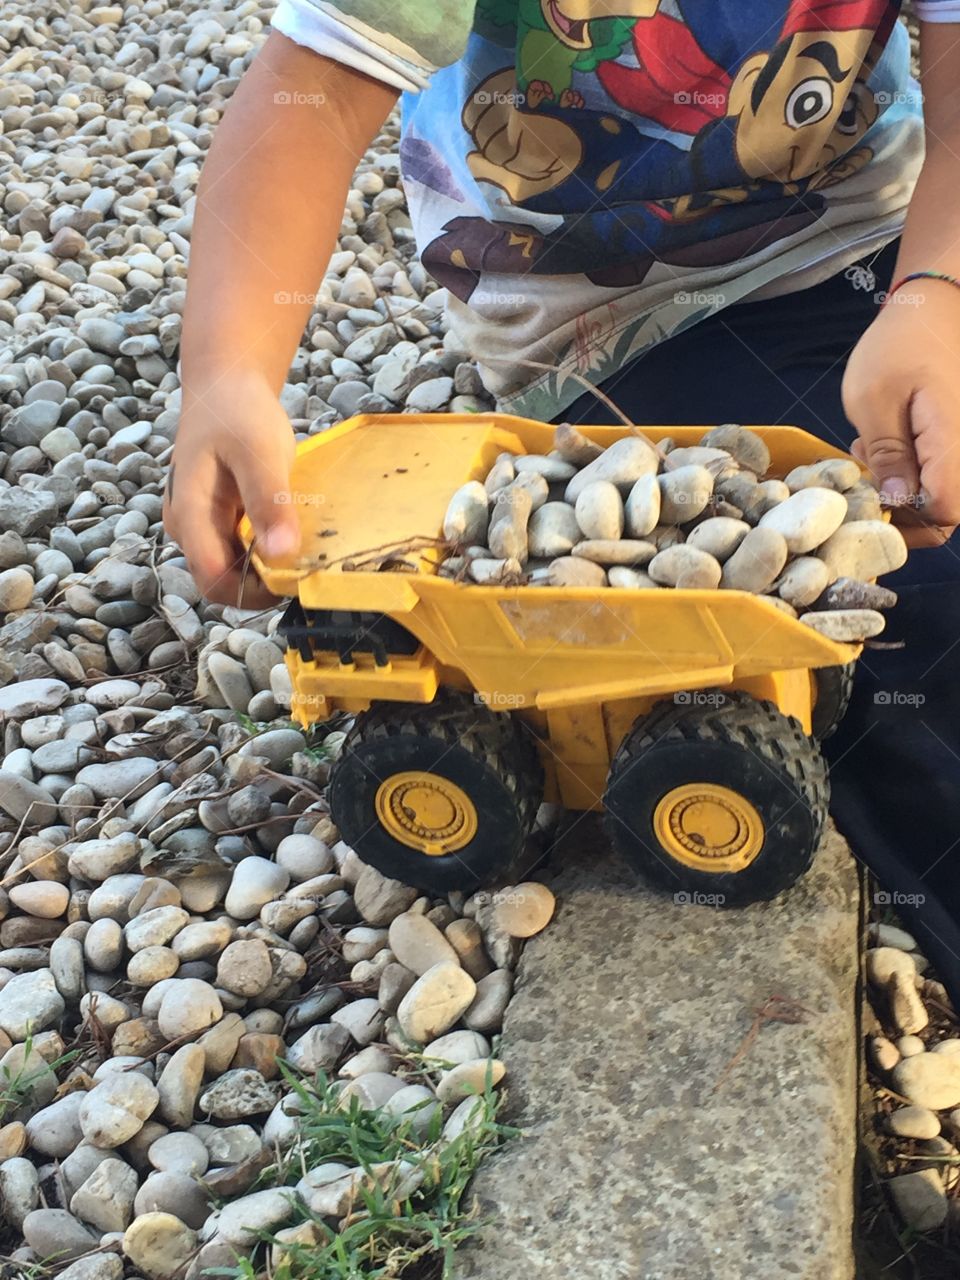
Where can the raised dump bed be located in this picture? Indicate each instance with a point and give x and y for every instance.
(690, 716)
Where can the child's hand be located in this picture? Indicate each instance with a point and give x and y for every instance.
(901, 391)
(233, 454)
(269, 207)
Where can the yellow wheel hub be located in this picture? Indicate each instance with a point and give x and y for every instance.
(426, 812)
(708, 827)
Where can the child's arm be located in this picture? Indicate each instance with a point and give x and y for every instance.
(270, 204)
(902, 385)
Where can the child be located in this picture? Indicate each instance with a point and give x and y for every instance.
(700, 205)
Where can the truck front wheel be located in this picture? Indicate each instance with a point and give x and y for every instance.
(441, 796)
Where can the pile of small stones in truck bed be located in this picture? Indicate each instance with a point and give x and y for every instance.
(643, 516)
(913, 1054)
(176, 909)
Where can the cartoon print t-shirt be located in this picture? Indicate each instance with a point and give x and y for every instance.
(588, 177)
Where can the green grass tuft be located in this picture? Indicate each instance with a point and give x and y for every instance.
(315, 749)
(16, 1088)
(381, 1237)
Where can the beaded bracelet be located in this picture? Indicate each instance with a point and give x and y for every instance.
(920, 275)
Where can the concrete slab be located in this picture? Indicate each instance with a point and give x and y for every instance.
(633, 1165)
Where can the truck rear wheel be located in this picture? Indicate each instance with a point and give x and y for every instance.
(724, 800)
(440, 796)
(834, 689)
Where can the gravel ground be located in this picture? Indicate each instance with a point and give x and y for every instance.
(912, 1129)
(177, 908)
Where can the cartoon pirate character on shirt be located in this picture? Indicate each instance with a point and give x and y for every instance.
(788, 122)
(794, 115)
(791, 111)
(804, 105)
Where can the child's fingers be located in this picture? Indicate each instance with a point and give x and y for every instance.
(263, 482)
(216, 562)
(916, 529)
(217, 567)
(886, 444)
(918, 532)
(934, 419)
(927, 536)
(201, 515)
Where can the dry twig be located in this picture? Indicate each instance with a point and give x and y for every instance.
(774, 1009)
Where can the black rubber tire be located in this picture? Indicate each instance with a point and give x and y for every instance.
(488, 754)
(834, 686)
(741, 743)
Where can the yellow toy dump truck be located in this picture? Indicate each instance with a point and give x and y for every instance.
(692, 717)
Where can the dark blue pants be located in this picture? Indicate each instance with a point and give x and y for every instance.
(895, 761)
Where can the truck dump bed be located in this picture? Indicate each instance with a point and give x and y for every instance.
(371, 494)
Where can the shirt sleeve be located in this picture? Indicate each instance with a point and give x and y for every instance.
(938, 10)
(401, 42)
